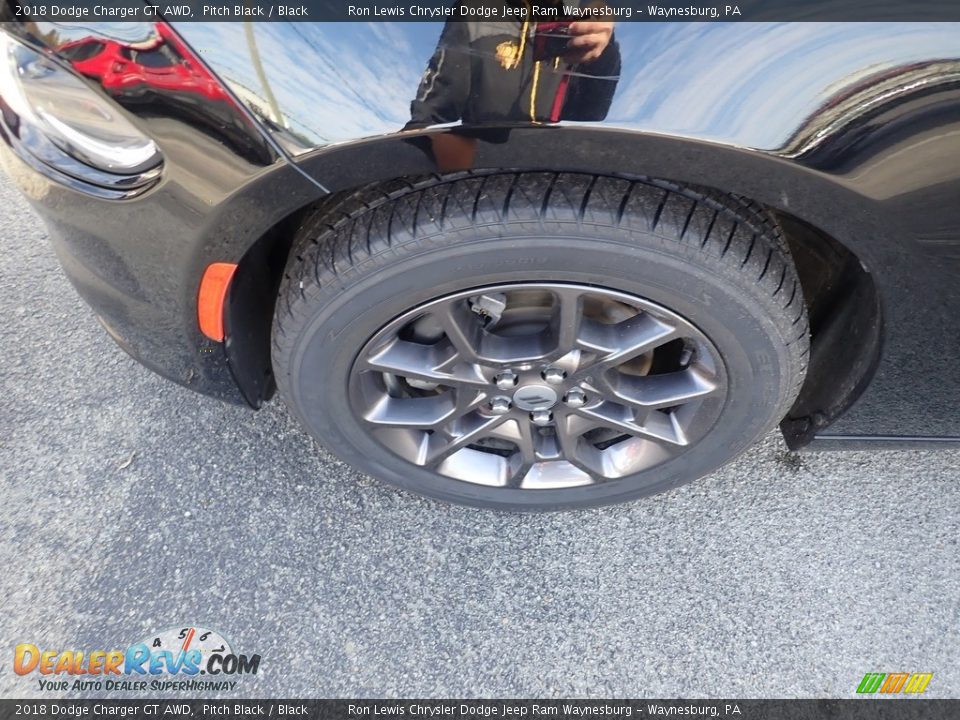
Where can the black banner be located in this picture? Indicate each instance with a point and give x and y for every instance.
(472, 10)
(856, 709)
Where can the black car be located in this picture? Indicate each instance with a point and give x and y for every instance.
(523, 263)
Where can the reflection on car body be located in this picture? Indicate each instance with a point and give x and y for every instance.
(827, 155)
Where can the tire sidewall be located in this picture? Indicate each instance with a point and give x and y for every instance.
(739, 319)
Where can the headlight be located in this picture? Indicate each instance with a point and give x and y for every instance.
(58, 115)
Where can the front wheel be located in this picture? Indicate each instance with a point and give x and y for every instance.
(535, 341)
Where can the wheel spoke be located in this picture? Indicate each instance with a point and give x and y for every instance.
(572, 448)
(468, 400)
(656, 426)
(458, 434)
(463, 329)
(624, 341)
(526, 456)
(655, 392)
(420, 412)
(567, 319)
(423, 362)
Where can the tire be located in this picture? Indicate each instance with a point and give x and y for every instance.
(388, 276)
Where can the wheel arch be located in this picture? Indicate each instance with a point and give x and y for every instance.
(828, 226)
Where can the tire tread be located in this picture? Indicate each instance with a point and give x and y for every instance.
(729, 233)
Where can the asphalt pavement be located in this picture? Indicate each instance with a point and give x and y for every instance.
(129, 505)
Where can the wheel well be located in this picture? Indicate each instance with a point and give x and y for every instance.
(842, 300)
(249, 308)
(843, 306)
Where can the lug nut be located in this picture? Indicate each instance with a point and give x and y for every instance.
(541, 417)
(506, 380)
(575, 397)
(500, 405)
(553, 375)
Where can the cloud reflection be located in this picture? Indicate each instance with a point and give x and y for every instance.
(748, 84)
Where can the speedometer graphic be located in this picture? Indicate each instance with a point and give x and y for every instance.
(186, 639)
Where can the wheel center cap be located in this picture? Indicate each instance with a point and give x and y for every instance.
(535, 397)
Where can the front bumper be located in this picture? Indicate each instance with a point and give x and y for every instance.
(137, 257)
(138, 262)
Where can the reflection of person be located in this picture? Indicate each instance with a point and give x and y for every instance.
(489, 71)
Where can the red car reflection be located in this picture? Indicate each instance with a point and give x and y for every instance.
(162, 63)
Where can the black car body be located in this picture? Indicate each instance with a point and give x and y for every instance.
(847, 133)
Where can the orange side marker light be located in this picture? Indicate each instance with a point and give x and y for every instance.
(213, 292)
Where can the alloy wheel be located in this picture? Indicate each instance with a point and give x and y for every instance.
(538, 386)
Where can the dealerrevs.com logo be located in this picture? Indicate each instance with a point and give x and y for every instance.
(174, 659)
